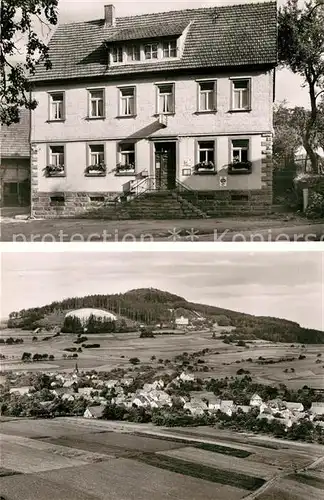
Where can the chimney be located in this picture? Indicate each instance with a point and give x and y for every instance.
(110, 15)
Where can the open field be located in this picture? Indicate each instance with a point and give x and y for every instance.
(223, 360)
(79, 459)
(286, 489)
(221, 461)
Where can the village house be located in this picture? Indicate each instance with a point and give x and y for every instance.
(21, 391)
(95, 411)
(86, 392)
(141, 401)
(127, 381)
(185, 377)
(182, 322)
(256, 400)
(227, 407)
(243, 408)
(294, 407)
(110, 384)
(62, 391)
(317, 409)
(179, 102)
(196, 407)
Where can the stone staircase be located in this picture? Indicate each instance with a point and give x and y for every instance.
(150, 205)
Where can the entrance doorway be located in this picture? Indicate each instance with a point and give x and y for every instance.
(16, 194)
(165, 165)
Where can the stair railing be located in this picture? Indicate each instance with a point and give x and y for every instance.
(142, 186)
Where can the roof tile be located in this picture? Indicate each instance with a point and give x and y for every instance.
(15, 138)
(219, 37)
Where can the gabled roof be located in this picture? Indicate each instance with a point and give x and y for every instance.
(15, 138)
(218, 37)
(96, 410)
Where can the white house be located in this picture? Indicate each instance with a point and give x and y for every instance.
(21, 391)
(141, 401)
(256, 400)
(138, 104)
(186, 377)
(182, 322)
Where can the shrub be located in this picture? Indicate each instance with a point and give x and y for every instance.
(134, 361)
(315, 208)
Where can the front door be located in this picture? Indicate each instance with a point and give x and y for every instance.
(165, 165)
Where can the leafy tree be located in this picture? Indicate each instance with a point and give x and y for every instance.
(301, 49)
(18, 21)
(26, 356)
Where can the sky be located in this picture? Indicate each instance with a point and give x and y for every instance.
(281, 284)
(288, 85)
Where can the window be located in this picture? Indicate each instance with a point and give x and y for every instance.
(240, 150)
(133, 53)
(165, 99)
(127, 101)
(127, 155)
(56, 110)
(241, 94)
(151, 51)
(206, 152)
(96, 154)
(207, 96)
(56, 156)
(117, 54)
(96, 103)
(170, 48)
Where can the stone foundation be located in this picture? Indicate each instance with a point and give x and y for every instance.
(69, 204)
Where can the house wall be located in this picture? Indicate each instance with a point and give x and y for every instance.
(186, 126)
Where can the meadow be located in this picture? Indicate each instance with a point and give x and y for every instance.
(222, 360)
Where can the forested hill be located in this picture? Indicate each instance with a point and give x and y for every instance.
(150, 306)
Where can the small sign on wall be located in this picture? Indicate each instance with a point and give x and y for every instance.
(186, 171)
(223, 181)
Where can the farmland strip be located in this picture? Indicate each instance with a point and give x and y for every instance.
(201, 472)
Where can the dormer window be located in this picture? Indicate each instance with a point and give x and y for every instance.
(151, 50)
(133, 53)
(170, 49)
(117, 54)
(146, 51)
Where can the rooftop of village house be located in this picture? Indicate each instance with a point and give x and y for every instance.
(237, 35)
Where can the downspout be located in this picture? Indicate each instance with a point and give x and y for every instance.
(30, 156)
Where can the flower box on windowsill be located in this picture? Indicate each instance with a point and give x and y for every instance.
(95, 170)
(205, 168)
(125, 173)
(124, 170)
(95, 173)
(240, 167)
(54, 171)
